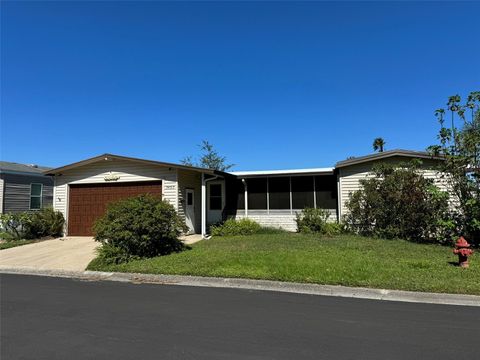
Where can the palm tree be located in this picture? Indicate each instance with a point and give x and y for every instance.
(378, 144)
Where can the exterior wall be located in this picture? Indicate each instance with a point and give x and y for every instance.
(277, 219)
(190, 180)
(126, 171)
(15, 190)
(350, 176)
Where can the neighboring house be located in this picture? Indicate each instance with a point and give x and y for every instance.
(204, 197)
(24, 187)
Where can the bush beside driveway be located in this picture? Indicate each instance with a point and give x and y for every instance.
(342, 260)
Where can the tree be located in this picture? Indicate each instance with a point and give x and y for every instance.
(209, 159)
(378, 144)
(460, 146)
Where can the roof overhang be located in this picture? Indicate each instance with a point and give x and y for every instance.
(292, 172)
(24, 173)
(387, 154)
(110, 157)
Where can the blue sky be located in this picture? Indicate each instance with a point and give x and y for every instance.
(271, 85)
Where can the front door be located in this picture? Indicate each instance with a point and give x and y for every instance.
(190, 211)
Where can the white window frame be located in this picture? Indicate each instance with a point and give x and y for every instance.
(36, 196)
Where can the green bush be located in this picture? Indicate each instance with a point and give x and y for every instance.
(312, 220)
(333, 228)
(143, 226)
(232, 227)
(32, 225)
(401, 203)
(112, 255)
(11, 226)
(42, 223)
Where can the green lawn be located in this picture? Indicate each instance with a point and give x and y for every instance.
(343, 260)
(13, 243)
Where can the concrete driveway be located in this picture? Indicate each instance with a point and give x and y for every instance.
(70, 253)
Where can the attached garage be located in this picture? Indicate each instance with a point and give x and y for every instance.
(88, 202)
(84, 189)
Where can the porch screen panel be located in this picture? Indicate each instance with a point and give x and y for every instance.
(279, 193)
(240, 194)
(302, 192)
(326, 191)
(257, 194)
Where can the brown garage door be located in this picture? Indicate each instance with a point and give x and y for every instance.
(88, 202)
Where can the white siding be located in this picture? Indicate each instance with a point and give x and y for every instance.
(190, 180)
(285, 222)
(349, 177)
(277, 219)
(127, 171)
(60, 197)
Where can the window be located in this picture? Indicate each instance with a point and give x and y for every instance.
(35, 196)
(279, 193)
(189, 198)
(257, 193)
(215, 196)
(326, 191)
(302, 192)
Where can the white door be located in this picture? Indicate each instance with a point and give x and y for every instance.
(190, 210)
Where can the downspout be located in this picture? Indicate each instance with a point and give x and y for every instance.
(204, 205)
(339, 196)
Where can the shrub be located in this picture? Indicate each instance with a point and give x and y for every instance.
(312, 220)
(143, 226)
(32, 225)
(113, 255)
(232, 227)
(42, 223)
(11, 224)
(401, 203)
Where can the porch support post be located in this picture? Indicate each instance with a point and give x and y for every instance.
(204, 207)
(291, 200)
(246, 196)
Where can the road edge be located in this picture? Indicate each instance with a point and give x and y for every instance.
(261, 285)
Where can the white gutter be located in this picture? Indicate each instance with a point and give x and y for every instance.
(283, 172)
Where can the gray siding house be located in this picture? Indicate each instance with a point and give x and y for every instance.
(24, 187)
(204, 197)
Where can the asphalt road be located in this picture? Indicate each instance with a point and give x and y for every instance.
(53, 318)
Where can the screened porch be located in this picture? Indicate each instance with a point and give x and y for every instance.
(270, 195)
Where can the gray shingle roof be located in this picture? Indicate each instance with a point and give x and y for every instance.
(6, 166)
(387, 154)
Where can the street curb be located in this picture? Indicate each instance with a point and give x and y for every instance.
(263, 285)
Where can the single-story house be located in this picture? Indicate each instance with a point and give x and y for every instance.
(204, 196)
(24, 187)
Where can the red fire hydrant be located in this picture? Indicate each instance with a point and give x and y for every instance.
(462, 249)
